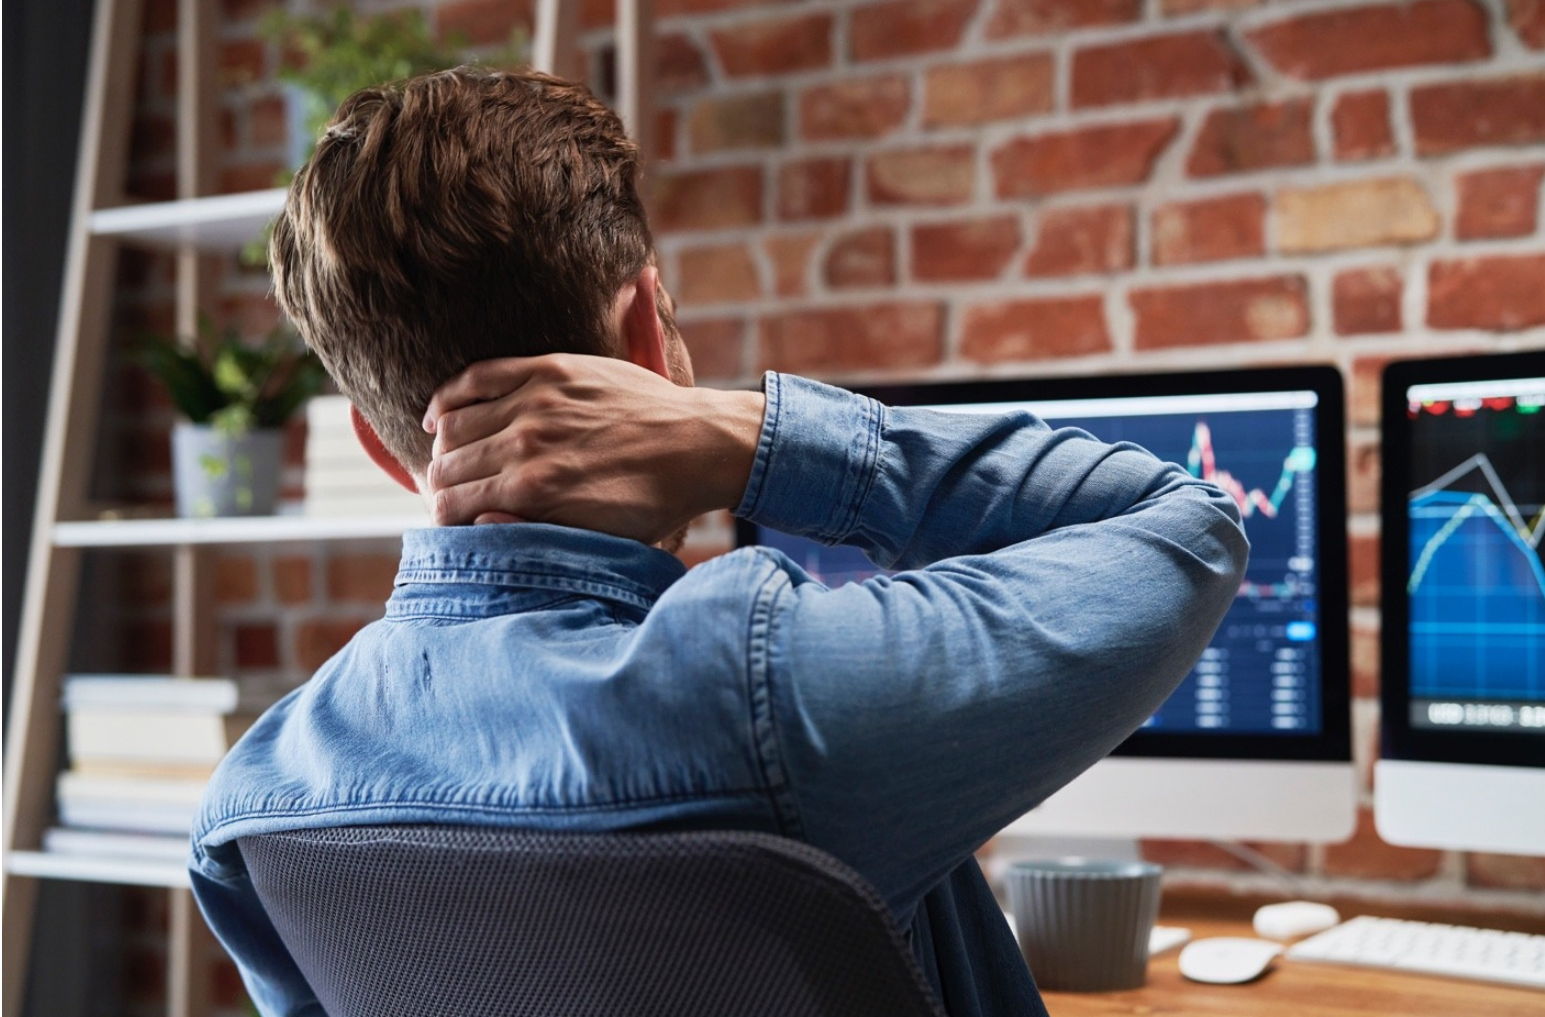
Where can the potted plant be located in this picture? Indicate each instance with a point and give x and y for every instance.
(236, 396)
(328, 57)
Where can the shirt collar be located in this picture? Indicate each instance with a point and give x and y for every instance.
(536, 556)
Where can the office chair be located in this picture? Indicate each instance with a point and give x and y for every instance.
(481, 922)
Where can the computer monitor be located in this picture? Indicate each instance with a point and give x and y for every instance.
(1462, 675)
(1255, 744)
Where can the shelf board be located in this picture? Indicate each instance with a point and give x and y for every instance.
(221, 223)
(242, 530)
(94, 869)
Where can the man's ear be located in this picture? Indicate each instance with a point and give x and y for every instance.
(643, 336)
(377, 452)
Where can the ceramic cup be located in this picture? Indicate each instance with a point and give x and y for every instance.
(1084, 923)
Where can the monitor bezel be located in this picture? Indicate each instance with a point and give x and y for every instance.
(1332, 743)
(1400, 739)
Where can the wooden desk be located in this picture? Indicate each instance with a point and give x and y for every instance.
(1296, 989)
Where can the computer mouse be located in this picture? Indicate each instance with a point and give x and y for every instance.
(1294, 918)
(1227, 960)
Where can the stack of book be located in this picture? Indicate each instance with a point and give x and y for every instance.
(141, 750)
(341, 480)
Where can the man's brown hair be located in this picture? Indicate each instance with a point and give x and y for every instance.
(455, 217)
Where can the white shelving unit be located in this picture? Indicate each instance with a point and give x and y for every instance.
(252, 530)
(103, 220)
(221, 223)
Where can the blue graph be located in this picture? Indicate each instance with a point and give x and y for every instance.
(1477, 591)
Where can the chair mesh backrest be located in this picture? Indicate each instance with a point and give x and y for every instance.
(476, 922)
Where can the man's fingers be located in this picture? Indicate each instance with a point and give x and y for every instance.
(468, 425)
(464, 465)
(468, 502)
(483, 381)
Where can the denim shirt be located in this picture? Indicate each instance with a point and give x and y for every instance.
(1054, 591)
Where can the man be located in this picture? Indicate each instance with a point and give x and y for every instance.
(481, 235)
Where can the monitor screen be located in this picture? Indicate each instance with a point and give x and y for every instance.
(1273, 684)
(1463, 586)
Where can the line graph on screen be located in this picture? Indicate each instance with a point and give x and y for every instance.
(1477, 587)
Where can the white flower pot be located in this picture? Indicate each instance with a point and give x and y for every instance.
(218, 474)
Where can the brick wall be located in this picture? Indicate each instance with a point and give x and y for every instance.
(964, 188)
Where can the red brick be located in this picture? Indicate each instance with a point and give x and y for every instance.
(157, 186)
(854, 108)
(904, 27)
(1528, 19)
(1502, 293)
(775, 45)
(361, 578)
(244, 10)
(1043, 17)
(862, 258)
(717, 346)
(236, 579)
(1175, 8)
(1073, 241)
(1202, 854)
(720, 124)
(159, 16)
(1105, 155)
(959, 251)
(666, 120)
(1506, 872)
(1001, 88)
(268, 121)
(249, 313)
(1247, 138)
(146, 579)
(292, 580)
(242, 61)
(1363, 569)
(1498, 202)
(888, 335)
(720, 274)
(1360, 123)
(229, 992)
(671, 8)
(483, 22)
(1363, 483)
(707, 199)
(1365, 856)
(1367, 300)
(1035, 329)
(1375, 38)
(680, 64)
(1158, 67)
(152, 137)
(1353, 213)
(1365, 662)
(257, 646)
(1363, 401)
(316, 640)
(1213, 229)
(1221, 312)
(814, 188)
(922, 176)
(147, 646)
(790, 257)
(255, 176)
(1470, 113)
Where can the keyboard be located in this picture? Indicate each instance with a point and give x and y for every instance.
(1453, 951)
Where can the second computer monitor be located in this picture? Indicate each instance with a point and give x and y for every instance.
(1462, 676)
(1255, 744)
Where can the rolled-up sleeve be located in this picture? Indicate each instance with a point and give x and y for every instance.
(1054, 591)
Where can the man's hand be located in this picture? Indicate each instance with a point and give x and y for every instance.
(587, 441)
